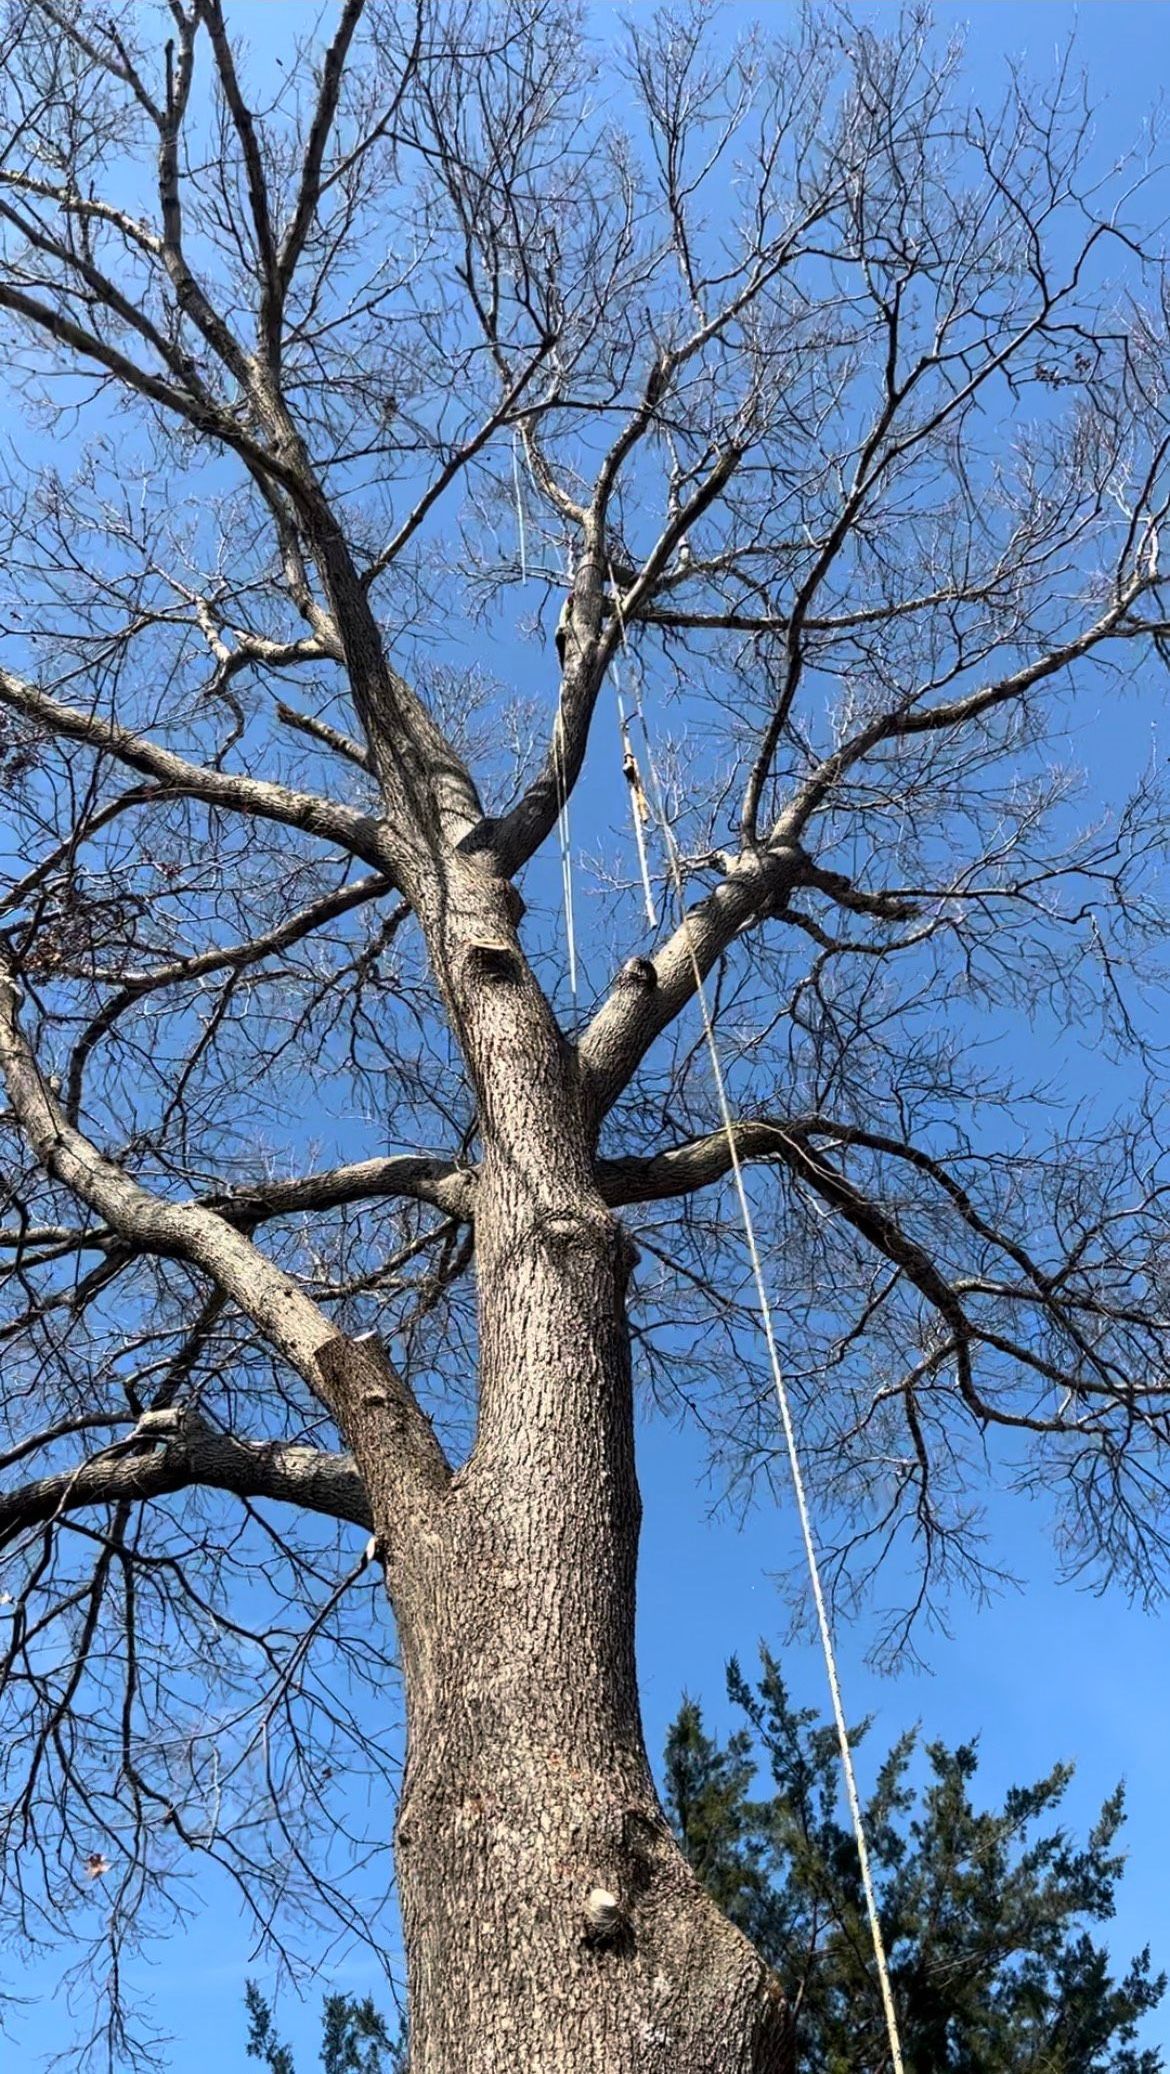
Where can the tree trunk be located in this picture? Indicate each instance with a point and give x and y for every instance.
(523, 1810)
(528, 1796)
(551, 1921)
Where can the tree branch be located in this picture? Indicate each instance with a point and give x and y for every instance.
(359, 834)
(307, 1477)
(642, 1005)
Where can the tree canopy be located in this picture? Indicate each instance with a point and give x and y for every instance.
(355, 2038)
(397, 403)
(988, 1915)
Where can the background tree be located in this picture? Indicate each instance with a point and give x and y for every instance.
(831, 415)
(354, 2037)
(986, 1920)
(987, 1923)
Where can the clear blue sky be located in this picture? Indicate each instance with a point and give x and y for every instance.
(1044, 1673)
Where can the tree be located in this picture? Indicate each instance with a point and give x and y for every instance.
(994, 1968)
(355, 2038)
(825, 415)
(263, 2043)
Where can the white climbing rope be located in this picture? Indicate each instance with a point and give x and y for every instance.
(565, 845)
(564, 841)
(521, 535)
(657, 800)
(639, 806)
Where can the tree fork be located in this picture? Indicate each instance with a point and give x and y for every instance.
(551, 1919)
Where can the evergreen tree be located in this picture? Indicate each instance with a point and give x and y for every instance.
(356, 2040)
(263, 2043)
(987, 1915)
(354, 2037)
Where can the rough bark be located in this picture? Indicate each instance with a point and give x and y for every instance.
(528, 1795)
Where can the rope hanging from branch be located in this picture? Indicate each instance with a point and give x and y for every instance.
(565, 845)
(657, 804)
(639, 804)
(564, 842)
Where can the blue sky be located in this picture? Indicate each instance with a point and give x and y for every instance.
(1042, 1673)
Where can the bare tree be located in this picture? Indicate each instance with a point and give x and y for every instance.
(828, 416)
